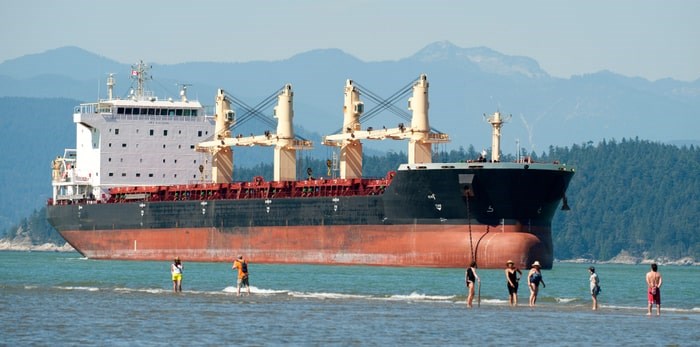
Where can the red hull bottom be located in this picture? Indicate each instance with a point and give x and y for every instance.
(448, 246)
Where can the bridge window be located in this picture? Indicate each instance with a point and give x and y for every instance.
(151, 111)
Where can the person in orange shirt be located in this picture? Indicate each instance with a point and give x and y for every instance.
(241, 265)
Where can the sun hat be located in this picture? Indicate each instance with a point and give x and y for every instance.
(510, 262)
(536, 263)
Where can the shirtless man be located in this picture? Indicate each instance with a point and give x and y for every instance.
(654, 289)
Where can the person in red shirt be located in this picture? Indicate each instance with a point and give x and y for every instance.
(241, 265)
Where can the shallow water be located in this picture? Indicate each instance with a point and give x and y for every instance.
(61, 298)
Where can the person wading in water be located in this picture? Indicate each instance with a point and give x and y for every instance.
(470, 277)
(512, 279)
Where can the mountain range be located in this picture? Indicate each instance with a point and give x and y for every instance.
(465, 83)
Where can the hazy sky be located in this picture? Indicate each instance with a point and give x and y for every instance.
(650, 39)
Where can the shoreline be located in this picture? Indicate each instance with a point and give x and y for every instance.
(9, 245)
(685, 261)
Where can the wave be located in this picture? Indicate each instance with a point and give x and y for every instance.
(89, 289)
(419, 297)
(412, 297)
(142, 290)
(254, 290)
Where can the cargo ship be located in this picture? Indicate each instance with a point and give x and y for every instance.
(150, 179)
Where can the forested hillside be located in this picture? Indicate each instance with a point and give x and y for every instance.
(631, 195)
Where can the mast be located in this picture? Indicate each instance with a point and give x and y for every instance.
(496, 122)
(139, 73)
(222, 156)
(285, 166)
(351, 149)
(110, 86)
(419, 148)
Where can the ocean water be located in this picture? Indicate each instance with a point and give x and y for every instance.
(49, 298)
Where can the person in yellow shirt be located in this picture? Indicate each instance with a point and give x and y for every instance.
(241, 265)
(176, 269)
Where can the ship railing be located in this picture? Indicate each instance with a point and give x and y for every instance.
(256, 189)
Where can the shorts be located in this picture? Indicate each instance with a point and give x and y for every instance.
(243, 281)
(654, 296)
(512, 289)
(595, 290)
(177, 277)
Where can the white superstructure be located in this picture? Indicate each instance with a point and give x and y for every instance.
(137, 141)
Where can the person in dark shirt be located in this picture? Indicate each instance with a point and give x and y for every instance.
(512, 279)
(470, 278)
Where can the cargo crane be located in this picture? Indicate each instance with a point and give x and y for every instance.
(284, 139)
(420, 135)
